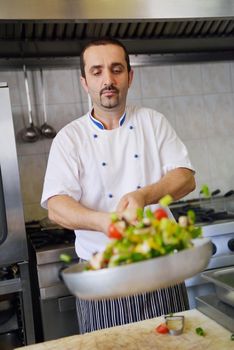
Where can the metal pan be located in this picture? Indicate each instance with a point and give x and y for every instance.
(223, 280)
(138, 277)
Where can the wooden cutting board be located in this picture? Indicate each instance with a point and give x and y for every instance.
(142, 336)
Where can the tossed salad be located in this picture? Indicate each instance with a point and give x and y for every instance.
(151, 235)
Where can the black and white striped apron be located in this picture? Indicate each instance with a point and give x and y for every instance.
(98, 314)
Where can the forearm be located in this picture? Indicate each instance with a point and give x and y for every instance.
(178, 183)
(69, 213)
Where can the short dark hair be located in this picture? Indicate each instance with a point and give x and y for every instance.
(99, 42)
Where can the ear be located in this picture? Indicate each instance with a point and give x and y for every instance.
(130, 78)
(84, 84)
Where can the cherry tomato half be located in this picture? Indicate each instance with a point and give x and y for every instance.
(162, 328)
(113, 232)
(160, 213)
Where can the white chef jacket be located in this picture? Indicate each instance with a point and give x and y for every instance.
(97, 167)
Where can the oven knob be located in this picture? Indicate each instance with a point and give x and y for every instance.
(214, 249)
(231, 244)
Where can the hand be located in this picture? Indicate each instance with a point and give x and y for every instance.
(129, 203)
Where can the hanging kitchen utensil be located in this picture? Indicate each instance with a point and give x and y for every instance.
(46, 129)
(30, 133)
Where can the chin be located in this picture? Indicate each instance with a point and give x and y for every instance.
(110, 105)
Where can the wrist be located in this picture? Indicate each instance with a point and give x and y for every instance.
(104, 220)
(150, 194)
(145, 195)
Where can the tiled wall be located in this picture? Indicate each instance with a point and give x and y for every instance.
(198, 100)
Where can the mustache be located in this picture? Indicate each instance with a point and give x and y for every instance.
(109, 88)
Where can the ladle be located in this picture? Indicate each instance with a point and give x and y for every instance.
(46, 129)
(30, 133)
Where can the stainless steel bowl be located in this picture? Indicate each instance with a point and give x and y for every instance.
(138, 277)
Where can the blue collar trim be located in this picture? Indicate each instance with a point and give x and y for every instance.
(101, 126)
(96, 122)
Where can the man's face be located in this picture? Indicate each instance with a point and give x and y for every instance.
(106, 76)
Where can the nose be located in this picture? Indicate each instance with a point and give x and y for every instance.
(108, 78)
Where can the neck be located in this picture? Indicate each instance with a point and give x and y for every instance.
(110, 119)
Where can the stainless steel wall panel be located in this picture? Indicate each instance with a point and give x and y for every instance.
(14, 248)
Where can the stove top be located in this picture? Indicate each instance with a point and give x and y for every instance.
(42, 237)
(204, 215)
(217, 224)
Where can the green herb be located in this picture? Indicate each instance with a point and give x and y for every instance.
(66, 258)
(205, 191)
(114, 217)
(149, 214)
(140, 213)
(166, 200)
(191, 215)
(232, 336)
(200, 331)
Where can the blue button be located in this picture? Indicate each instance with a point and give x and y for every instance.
(103, 164)
(110, 195)
(136, 155)
(95, 136)
(138, 187)
(131, 127)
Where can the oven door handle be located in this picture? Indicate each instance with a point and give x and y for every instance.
(3, 219)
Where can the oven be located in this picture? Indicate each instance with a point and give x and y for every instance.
(53, 305)
(16, 318)
(216, 216)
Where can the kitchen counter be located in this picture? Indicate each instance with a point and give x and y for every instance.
(142, 336)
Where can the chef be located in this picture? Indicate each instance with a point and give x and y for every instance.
(115, 158)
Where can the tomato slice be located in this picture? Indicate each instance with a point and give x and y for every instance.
(160, 213)
(162, 328)
(113, 232)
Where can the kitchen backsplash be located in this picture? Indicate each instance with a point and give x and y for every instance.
(197, 99)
